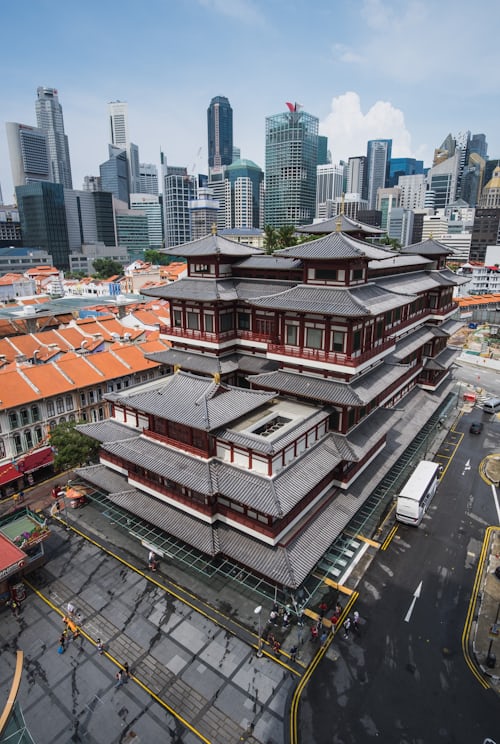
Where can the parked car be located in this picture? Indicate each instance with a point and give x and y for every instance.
(78, 501)
(476, 427)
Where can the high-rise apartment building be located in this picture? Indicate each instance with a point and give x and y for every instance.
(203, 213)
(291, 161)
(29, 157)
(220, 132)
(378, 155)
(43, 219)
(443, 179)
(49, 117)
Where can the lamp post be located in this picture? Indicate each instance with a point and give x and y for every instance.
(257, 612)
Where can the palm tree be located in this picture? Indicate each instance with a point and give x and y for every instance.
(286, 236)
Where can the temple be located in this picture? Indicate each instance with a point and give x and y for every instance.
(286, 372)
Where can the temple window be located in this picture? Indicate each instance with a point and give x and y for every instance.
(291, 335)
(338, 341)
(244, 321)
(177, 318)
(314, 338)
(209, 323)
(193, 321)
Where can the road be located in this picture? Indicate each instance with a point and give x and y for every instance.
(404, 679)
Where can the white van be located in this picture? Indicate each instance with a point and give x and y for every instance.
(492, 405)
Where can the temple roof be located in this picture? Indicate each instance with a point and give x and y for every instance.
(193, 401)
(342, 223)
(213, 290)
(359, 392)
(211, 364)
(396, 259)
(211, 245)
(335, 246)
(416, 281)
(428, 247)
(366, 299)
(269, 262)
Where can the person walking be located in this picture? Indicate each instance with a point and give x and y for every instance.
(314, 633)
(100, 646)
(152, 561)
(347, 627)
(355, 622)
(119, 678)
(323, 638)
(293, 653)
(126, 671)
(62, 643)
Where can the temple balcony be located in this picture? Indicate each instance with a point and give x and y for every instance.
(333, 358)
(176, 443)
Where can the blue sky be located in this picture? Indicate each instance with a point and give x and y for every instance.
(413, 70)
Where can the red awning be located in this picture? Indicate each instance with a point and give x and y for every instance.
(36, 460)
(28, 464)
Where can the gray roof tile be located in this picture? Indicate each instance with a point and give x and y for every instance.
(368, 299)
(193, 400)
(335, 245)
(212, 245)
(342, 223)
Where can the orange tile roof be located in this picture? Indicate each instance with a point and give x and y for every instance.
(133, 356)
(15, 391)
(10, 278)
(79, 371)
(48, 379)
(109, 365)
(154, 345)
(146, 317)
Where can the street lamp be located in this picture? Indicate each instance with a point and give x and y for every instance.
(258, 611)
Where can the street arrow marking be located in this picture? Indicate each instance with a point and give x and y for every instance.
(466, 467)
(416, 596)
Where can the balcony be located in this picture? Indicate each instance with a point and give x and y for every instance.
(176, 444)
(329, 357)
(191, 333)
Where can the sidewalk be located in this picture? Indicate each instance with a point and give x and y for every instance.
(486, 627)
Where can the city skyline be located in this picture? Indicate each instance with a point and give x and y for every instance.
(367, 71)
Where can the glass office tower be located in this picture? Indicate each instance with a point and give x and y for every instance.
(220, 132)
(43, 219)
(49, 117)
(291, 160)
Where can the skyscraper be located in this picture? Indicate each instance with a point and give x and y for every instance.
(378, 155)
(220, 132)
(244, 195)
(356, 175)
(148, 177)
(119, 137)
(29, 157)
(49, 117)
(43, 219)
(329, 186)
(291, 160)
(114, 174)
(178, 190)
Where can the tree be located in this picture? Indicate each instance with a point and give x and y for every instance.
(270, 239)
(70, 447)
(392, 242)
(106, 267)
(286, 236)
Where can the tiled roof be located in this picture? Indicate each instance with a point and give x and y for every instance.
(213, 290)
(107, 431)
(368, 299)
(412, 342)
(443, 360)
(339, 223)
(211, 245)
(397, 260)
(336, 245)
(278, 443)
(428, 247)
(173, 464)
(412, 283)
(358, 392)
(194, 401)
(269, 263)
(196, 362)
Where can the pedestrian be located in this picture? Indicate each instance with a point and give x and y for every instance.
(119, 678)
(322, 609)
(71, 609)
(100, 646)
(293, 653)
(14, 606)
(62, 643)
(273, 617)
(355, 621)
(286, 619)
(126, 671)
(21, 495)
(347, 627)
(323, 638)
(314, 633)
(277, 648)
(338, 609)
(152, 561)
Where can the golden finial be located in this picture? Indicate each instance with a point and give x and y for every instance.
(177, 368)
(214, 228)
(216, 378)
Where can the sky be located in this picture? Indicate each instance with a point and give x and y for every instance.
(412, 71)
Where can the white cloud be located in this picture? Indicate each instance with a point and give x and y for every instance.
(348, 129)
